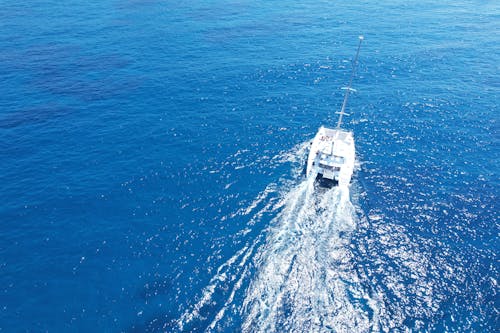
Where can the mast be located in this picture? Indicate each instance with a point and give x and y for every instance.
(348, 89)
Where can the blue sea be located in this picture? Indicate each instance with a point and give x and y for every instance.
(152, 156)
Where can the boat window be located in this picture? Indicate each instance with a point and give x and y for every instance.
(329, 167)
(338, 159)
(325, 166)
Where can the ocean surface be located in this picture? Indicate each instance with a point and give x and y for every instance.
(152, 157)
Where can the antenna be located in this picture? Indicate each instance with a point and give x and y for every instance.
(348, 89)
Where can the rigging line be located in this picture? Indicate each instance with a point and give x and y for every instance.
(349, 89)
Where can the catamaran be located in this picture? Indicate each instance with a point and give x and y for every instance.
(332, 152)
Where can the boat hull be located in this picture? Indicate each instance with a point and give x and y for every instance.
(331, 157)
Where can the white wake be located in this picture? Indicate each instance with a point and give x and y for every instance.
(305, 278)
(297, 275)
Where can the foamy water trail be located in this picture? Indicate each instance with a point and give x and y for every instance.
(305, 280)
(298, 274)
(230, 274)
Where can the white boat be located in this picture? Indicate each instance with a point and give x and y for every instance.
(332, 152)
(331, 156)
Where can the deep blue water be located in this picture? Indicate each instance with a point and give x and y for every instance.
(151, 156)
